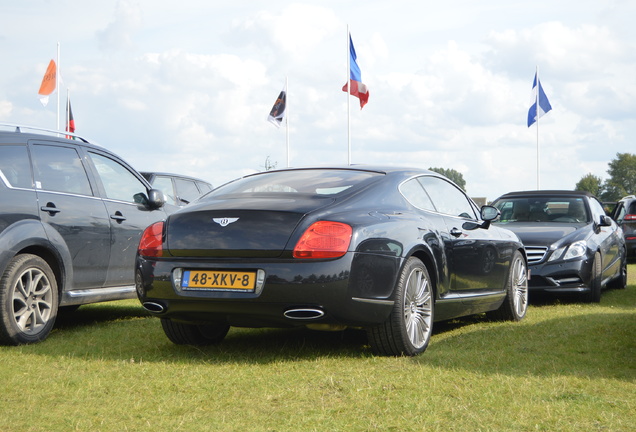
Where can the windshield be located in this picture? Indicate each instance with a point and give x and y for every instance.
(322, 182)
(543, 209)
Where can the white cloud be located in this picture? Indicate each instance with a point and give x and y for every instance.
(119, 33)
(186, 87)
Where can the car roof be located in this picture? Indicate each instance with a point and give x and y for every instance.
(534, 193)
(11, 129)
(379, 169)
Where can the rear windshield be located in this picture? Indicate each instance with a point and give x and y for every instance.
(321, 182)
(543, 209)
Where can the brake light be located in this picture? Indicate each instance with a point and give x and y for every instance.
(630, 217)
(324, 239)
(151, 243)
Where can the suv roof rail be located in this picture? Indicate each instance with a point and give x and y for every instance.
(629, 197)
(18, 129)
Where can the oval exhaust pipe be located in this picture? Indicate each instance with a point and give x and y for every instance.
(303, 313)
(154, 307)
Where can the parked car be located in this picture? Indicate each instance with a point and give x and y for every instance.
(71, 217)
(386, 249)
(571, 244)
(179, 189)
(625, 216)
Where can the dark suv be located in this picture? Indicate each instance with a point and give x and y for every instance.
(625, 215)
(71, 217)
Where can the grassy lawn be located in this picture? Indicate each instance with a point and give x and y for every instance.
(567, 367)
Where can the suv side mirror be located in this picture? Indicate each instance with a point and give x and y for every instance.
(155, 199)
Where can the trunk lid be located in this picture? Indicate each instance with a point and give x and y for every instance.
(238, 227)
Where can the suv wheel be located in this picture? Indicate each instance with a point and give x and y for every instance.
(28, 300)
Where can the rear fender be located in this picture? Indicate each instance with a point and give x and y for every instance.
(31, 236)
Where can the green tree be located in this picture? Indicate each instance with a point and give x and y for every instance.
(453, 175)
(622, 180)
(590, 183)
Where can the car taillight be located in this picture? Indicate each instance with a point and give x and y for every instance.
(630, 217)
(151, 242)
(324, 239)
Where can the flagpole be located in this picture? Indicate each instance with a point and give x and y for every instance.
(537, 104)
(348, 97)
(287, 118)
(57, 87)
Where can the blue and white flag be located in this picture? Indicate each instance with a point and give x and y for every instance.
(544, 103)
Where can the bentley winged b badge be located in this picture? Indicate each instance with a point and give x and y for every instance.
(225, 221)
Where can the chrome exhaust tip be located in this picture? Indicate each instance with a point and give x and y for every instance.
(303, 313)
(154, 307)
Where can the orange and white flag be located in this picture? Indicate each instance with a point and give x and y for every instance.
(48, 83)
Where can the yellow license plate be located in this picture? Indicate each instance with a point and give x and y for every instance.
(223, 280)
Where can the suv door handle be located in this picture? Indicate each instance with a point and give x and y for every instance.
(50, 209)
(118, 217)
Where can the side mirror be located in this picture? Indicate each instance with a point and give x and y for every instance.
(489, 213)
(605, 221)
(155, 199)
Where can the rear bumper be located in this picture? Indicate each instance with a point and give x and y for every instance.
(354, 290)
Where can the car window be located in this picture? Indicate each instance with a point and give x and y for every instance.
(204, 187)
(15, 168)
(186, 190)
(323, 182)
(597, 209)
(558, 209)
(416, 195)
(60, 169)
(164, 184)
(447, 198)
(119, 183)
(620, 212)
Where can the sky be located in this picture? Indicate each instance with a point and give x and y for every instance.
(186, 86)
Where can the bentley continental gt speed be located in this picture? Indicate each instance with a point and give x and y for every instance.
(389, 250)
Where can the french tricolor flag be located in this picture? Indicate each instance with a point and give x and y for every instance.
(356, 87)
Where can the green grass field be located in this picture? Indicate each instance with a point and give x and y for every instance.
(568, 366)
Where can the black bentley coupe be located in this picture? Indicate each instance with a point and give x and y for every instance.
(389, 250)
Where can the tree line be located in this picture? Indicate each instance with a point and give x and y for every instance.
(621, 181)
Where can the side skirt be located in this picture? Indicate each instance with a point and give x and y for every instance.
(80, 297)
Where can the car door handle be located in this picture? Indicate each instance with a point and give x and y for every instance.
(455, 232)
(50, 209)
(118, 217)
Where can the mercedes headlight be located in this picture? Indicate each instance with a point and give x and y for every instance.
(574, 250)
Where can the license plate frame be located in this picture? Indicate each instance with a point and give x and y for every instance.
(218, 280)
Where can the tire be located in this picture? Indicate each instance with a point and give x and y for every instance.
(408, 329)
(193, 334)
(594, 295)
(621, 281)
(28, 300)
(515, 305)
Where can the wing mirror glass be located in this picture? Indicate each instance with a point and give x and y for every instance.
(489, 213)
